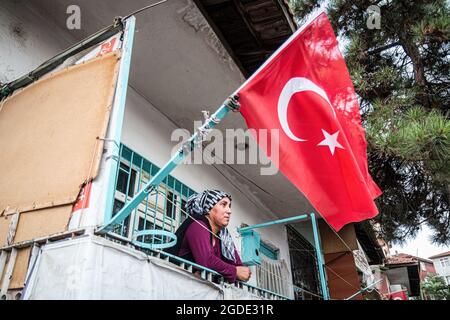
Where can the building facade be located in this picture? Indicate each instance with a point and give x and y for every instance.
(442, 265)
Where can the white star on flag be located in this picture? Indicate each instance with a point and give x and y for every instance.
(330, 141)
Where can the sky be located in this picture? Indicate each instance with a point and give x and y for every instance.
(420, 246)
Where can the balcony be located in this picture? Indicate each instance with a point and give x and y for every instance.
(163, 209)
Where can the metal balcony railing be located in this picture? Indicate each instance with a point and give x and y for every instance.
(162, 209)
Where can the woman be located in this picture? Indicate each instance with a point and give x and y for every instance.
(205, 239)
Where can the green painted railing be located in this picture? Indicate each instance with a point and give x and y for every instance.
(162, 209)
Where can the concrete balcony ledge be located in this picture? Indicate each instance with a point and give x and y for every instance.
(94, 268)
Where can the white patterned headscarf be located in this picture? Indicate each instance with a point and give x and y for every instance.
(201, 204)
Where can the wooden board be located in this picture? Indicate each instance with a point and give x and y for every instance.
(20, 269)
(49, 131)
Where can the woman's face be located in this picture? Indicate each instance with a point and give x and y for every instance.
(221, 212)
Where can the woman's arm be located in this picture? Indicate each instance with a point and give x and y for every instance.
(238, 258)
(199, 241)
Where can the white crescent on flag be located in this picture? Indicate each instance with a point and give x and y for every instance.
(294, 85)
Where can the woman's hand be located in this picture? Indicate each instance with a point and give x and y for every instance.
(243, 273)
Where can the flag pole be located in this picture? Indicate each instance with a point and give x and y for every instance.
(320, 262)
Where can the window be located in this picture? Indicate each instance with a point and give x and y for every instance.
(124, 228)
(144, 224)
(445, 262)
(171, 202)
(126, 179)
(183, 214)
(303, 266)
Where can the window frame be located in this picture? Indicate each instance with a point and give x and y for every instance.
(444, 262)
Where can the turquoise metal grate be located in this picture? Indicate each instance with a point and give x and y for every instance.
(162, 209)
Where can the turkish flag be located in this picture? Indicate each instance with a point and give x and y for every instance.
(304, 90)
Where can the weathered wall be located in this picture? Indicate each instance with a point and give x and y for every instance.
(26, 39)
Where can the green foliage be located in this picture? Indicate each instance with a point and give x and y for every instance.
(401, 73)
(435, 288)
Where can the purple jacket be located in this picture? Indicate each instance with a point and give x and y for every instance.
(197, 240)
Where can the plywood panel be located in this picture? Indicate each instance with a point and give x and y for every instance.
(49, 135)
(20, 269)
(41, 223)
(331, 242)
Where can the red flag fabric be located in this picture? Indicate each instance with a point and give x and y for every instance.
(399, 295)
(305, 91)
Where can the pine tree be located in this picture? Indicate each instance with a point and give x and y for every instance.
(401, 75)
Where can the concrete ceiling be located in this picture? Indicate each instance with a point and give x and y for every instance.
(253, 29)
(180, 67)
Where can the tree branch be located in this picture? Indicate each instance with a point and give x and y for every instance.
(419, 70)
(383, 48)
